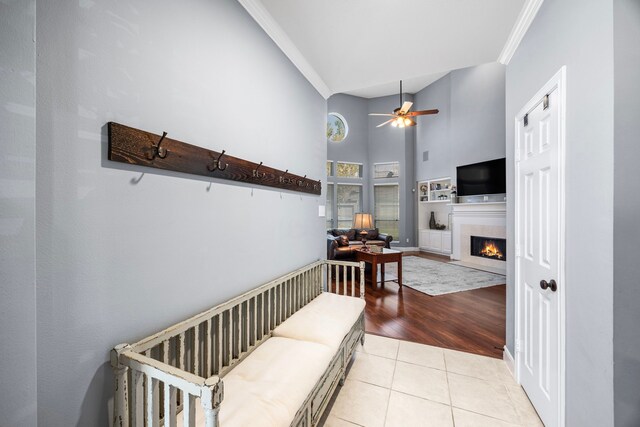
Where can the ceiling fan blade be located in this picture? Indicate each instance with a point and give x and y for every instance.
(405, 107)
(382, 114)
(422, 113)
(388, 121)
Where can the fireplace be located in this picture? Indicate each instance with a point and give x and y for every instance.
(489, 247)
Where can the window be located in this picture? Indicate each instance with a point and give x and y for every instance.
(386, 170)
(349, 170)
(329, 209)
(337, 127)
(349, 202)
(387, 209)
(329, 168)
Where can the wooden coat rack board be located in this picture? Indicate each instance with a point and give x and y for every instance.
(137, 147)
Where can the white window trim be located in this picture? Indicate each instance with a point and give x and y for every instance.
(336, 195)
(346, 127)
(335, 172)
(373, 169)
(383, 184)
(333, 199)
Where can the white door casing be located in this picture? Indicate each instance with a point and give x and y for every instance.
(539, 243)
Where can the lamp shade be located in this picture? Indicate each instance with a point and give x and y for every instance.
(363, 220)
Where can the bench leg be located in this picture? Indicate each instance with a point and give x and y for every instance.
(211, 417)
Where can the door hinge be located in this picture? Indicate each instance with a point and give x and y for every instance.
(545, 102)
(518, 346)
(526, 120)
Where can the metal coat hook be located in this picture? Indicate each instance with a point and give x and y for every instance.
(135, 181)
(257, 174)
(216, 163)
(157, 150)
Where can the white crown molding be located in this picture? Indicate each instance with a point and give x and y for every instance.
(260, 14)
(528, 12)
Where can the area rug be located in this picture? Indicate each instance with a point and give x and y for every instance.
(439, 278)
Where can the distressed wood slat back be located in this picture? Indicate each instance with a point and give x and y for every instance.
(197, 344)
(168, 370)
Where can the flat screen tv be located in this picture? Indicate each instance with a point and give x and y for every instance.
(482, 178)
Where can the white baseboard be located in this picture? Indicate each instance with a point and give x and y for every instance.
(510, 361)
(405, 249)
(427, 251)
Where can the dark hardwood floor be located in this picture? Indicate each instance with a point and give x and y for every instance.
(471, 321)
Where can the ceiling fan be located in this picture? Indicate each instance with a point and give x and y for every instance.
(401, 116)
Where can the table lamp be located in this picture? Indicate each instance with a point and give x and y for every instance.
(363, 221)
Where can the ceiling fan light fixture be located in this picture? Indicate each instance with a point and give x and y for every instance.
(403, 116)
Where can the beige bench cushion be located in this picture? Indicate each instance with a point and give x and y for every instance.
(325, 320)
(271, 384)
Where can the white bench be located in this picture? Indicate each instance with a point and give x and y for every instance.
(270, 357)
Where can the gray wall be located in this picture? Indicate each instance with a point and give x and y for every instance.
(435, 137)
(469, 128)
(577, 34)
(118, 258)
(368, 145)
(17, 215)
(470, 125)
(389, 144)
(355, 147)
(626, 269)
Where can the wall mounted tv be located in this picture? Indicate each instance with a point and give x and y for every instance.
(482, 178)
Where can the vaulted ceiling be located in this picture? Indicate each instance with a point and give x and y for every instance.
(364, 47)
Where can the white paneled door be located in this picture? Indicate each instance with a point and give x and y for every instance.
(539, 213)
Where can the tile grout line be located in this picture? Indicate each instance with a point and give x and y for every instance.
(486, 416)
(400, 340)
(434, 346)
(395, 364)
(349, 422)
(516, 407)
(447, 372)
(420, 397)
(453, 420)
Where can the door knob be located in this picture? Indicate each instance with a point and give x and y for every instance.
(550, 285)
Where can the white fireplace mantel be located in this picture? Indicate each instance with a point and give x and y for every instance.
(488, 208)
(487, 219)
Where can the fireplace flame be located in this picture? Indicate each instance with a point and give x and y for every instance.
(491, 250)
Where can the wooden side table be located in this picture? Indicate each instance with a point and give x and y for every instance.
(387, 255)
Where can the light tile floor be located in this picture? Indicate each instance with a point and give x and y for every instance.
(394, 383)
